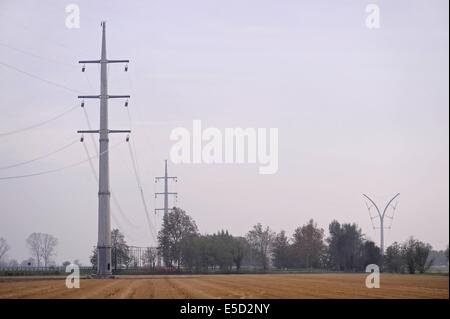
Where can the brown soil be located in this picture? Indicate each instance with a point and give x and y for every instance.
(230, 286)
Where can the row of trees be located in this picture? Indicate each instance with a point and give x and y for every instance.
(411, 256)
(345, 249)
(181, 245)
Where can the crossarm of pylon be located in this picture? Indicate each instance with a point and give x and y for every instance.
(88, 96)
(118, 96)
(118, 61)
(119, 131)
(89, 61)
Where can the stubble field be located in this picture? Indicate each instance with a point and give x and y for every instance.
(230, 286)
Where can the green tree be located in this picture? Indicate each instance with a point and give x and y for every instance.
(422, 251)
(345, 244)
(281, 251)
(446, 253)
(176, 226)
(308, 245)
(394, 260)
(223, 249)
(119, 250)
(416, 255)
(370, 254)
(409, 253)
(238, 251)
(260, 241)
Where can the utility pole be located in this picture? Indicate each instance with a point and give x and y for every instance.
(381, 216)
(166, 192)
(104, 213)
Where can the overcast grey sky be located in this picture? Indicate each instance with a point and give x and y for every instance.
(358, 111)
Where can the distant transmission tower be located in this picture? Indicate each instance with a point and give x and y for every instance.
(104, 213)
(381, 215)
(166, 192)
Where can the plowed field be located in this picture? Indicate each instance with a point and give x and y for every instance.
(230, 286)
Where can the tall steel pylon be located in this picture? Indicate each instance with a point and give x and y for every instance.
(104, 213)
(381, 215)
(166, 192)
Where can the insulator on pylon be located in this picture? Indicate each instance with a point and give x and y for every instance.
(126, 67)
(82, 103)
(83, 68)
(128, 138)
(82, 139)
(126, 103)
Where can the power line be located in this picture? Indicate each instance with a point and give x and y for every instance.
(134, 160)
(141, 192)
(38, 124)
(88, 122)
(41, 156)
(91, 164)
(116, 221)
(43, 37)
(36, 55)
(39, 78)
(113, 194)
(115, 201)
(57, 169)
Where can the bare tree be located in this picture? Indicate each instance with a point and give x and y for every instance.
(34, 245)
(42, 247)
(4, 248)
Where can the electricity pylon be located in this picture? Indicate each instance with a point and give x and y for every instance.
(381, 216)
(104, 213)
(166, 192)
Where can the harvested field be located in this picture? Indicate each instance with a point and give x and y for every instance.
(230, 286)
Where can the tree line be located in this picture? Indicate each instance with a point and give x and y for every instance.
(181, 246)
